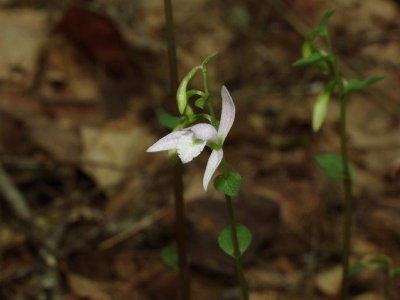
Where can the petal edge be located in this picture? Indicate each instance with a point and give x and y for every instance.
(227, 113)
(212, 165)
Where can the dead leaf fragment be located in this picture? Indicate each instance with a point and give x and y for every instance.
(111, 152)
(329, 281)
(22, 35)
(87, 288)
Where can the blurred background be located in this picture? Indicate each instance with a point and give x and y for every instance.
(85, 211)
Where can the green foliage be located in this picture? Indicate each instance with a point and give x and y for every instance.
(354, 269)
(169, 255)
(191, 93)
(323, 26)
(228, 183)
(321, 106)
(313, 55)
(225, 239)
(331, 164)
(379, 262)
(181, 94)
(310, 60)
(168, 121)
(394, 272)
(358, 84)
(196, 117)
(201, 102)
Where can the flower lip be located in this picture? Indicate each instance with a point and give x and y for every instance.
(205, 132)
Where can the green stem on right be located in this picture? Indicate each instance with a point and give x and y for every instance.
(347, 181)
(236, 250)
(184, 282)
(209, 100)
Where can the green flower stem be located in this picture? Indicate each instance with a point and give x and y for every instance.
(236, 250)
(184, 283)
(209, 100)
(347, 181)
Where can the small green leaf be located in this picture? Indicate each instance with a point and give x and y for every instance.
(168, 120)
(201, 102)
(312, 35)
(188, 111)
(321, 106)
(169, 255)
(354, 269)
(307, 49)
(377, 261)
(191, 93)
(243, 236)
(323, 26)
(310, 60)
(197, 117)
(394, 272)
(358, 84)
(181, 94)
(331, 164)
(228, 183)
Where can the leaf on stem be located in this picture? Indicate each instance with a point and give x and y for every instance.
(191, 93)
(181, 94)
(228, 183)
(377, 262)
(321, 106)
(201, 102)
(395, 271)
(168, 121)
(243, 236)
(310, 60)
(323, 26)
(358, 84)
(331, 164)
(169, 255)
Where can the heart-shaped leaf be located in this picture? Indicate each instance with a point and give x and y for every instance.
(225, 241)
(331, 164)
(228, 183)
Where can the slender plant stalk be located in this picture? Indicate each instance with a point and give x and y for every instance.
(348, 198)
(347, 181)
(236, 250)
(173, 65)
(184, 285)
(209, 101)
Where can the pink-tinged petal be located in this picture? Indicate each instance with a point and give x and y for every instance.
(170, 141)
(227, 113)
(189, 147)
(205, 132)
(212, 165)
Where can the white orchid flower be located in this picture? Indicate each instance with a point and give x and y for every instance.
(190, 141)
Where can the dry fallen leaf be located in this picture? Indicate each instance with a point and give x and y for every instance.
(329, 281)
(86, 288)
(22, 35)
(114, 151)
